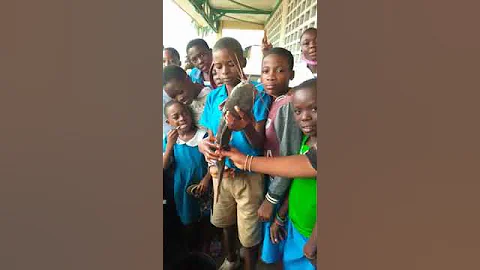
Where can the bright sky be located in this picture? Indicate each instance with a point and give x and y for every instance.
(178, 30)
(173, 36)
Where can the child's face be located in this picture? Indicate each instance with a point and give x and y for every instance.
(216, 78)
(180, 90)
(169, 59)
(179, 117)
(305, 110)
(308, 44)
(226, 65)
(276, 74)
(200, 57)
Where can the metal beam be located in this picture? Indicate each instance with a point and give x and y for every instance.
(244, 11)
(210, 15)
(240, 20)
(246, 6)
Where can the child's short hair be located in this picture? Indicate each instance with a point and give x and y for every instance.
(198, 42)
(172, 102)
(173, 72)
(230, 44)
(284, 53)
(310, 84)
(169, 104)
(173, 52)
(311, 29)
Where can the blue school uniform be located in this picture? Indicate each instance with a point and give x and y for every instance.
(293, 257)
(189, 168)
(196, 76)
(212, 114)
(271, 253)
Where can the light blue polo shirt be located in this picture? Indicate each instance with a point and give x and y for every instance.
(212, 114)
(197, 77)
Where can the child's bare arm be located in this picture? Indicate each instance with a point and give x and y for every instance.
(310, 248)
(277, 229)
(171, 139)
(166, 158)
(290, 166)
(282, 212)
(205, 183)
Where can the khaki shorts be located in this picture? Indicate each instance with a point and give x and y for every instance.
(238, 202)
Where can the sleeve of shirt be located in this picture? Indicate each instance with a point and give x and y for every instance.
(166, 166)
(205, 115)
(280, 185)
(164, 143)
(261, 106)
(312, 157)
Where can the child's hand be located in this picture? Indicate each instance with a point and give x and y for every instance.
(208, 147)
(277, 233)
(235, 123)
(172, 136)
(310, 251)
(235, 156)
(214, 171)
(265, 211)
(203, 185)
(265, 44)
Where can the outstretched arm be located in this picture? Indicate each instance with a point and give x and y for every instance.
(290, 166)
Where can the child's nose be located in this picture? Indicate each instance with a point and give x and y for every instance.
(306, 116)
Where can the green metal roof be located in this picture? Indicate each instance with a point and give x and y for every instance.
(211, 12)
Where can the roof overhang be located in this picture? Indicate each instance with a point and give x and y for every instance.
(253, 13)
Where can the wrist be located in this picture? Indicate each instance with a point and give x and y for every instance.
(271, 199)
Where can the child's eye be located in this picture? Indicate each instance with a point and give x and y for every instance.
(265, 71)
(296, 111)
(314, 109)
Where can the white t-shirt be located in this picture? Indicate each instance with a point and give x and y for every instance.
(302, 73)
(199, 103)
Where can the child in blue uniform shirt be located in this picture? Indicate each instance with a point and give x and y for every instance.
(242, 193)
(200, 56)
(180, 150)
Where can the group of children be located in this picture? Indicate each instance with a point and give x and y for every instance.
(272, 216)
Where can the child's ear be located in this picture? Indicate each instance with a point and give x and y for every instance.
(243, 62)
(293, 75)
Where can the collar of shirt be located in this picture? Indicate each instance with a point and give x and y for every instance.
(195, 140)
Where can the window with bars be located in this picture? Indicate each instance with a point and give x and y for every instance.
(284, 30)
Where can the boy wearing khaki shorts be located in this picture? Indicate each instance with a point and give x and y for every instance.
(241, 192)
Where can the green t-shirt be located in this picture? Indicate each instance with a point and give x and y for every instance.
(302, 205)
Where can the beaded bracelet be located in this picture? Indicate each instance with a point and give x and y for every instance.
(250, 164)
(283, 220)
(279, 223)
(245, 163)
